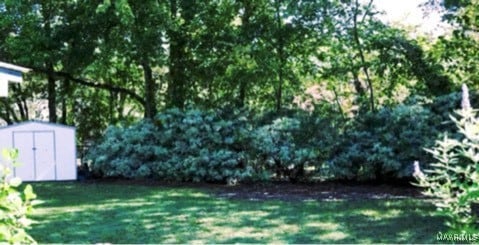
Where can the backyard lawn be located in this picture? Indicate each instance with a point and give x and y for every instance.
(124, 213)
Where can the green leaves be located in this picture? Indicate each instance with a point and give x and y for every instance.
(28, 193)
(220, 146)
(189, 145)
(10, 154)
(102, 8)
(383, 145)
(14, 205)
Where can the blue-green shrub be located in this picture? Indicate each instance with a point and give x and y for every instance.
(126, 152)
(203, 146)
(220, 146)
(383, 145)
(442, 106)
(294, 146)
(189, 145)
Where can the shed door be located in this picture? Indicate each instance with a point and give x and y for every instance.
(37, 155)
(44, 156)
(23, 141)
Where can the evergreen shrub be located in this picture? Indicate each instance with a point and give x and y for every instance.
(189, 145)
(293, 146)
(381, 146)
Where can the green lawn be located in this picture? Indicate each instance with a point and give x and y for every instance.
(119, 213)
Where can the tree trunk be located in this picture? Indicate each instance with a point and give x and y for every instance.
(150, 91)
(176, 92)
(362, 57)
(120, 108)
(111, 106)
(244, 39)
(338, 103)
(52, 94)
(242, 94)
(66, 92)
(8, 115)
(46, 11)
(21, 102)
(281, 59)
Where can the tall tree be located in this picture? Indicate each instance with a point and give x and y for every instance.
(181, 15)
(458, 51)
(37, 33)
(362, 55)
(137, 38)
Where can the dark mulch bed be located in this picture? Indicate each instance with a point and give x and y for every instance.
(318, 191)
(288, 191)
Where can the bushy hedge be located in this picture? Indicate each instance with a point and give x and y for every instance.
(126, 152)
(190, 145)
(383, 145)
(218, 146)
(293, 146)
(231, 145)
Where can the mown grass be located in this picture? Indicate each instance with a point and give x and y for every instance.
(119, 213)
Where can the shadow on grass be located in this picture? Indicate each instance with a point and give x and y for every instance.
(92, 213)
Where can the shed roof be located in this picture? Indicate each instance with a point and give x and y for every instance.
(38, 122)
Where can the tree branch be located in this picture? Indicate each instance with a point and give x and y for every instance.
(94, 84)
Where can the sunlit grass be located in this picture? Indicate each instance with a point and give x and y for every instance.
(118, 213)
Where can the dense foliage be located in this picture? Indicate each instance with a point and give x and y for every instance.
(14, 205)
(116, 63)
(98, 63)
(189, 145)
(383, 145)
(223, 146)
(295, 145)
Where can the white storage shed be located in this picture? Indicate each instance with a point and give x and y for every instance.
(47, 151)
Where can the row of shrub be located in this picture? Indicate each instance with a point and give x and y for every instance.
(234, 145)
(217, 146)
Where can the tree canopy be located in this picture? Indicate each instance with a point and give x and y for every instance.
(108, 61)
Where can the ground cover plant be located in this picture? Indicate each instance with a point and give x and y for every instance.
(135, 213)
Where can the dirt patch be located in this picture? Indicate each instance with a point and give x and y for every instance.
(290, 192)
(318, 191)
